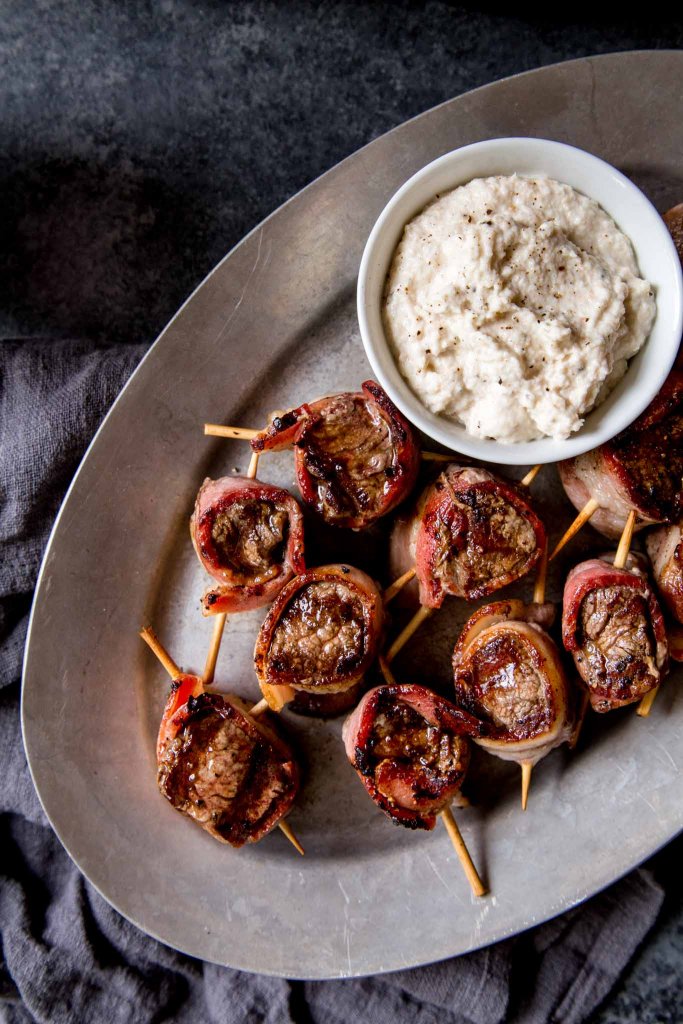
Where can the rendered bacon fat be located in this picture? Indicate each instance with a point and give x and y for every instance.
(233, 775)
(356, 457)
(641, 468)
(410, 750)
(249, 537)
(665, 548)
(471, 534)
(613, 627)
(322, 633)
(509, 675)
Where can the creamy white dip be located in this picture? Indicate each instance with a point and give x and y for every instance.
(512, 306)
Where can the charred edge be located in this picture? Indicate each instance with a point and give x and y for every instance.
(363, 761)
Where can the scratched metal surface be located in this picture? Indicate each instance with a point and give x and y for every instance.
(272, 325)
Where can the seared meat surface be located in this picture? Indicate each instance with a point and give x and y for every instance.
(496, 543)
(320, 634)
(652, 462)
(504, 685)
(220, 770)
(618, 648)
(250, 536)
(410, 750)
(402, 734)
(507, 672)
(640, 469)
(356, 456)
(613, 626)
(471, 533)
(349, 455)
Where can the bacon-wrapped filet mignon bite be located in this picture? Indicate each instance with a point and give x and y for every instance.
(509, 675)
(613, 627)
(321, 634)
(230, 773)
(411, 751)
(665, 548)
(356, 456)
(640, 469)
(249, 537)
(471, 533)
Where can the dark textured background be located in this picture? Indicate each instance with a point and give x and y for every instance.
(139, 142)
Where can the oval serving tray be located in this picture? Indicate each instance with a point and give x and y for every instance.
(272, 325)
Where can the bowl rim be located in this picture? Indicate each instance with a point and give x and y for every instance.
(631, 401)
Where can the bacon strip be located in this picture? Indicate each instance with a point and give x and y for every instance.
(322, 632)
(249, 537)
(410, 749)
(641, 468)
(508, 674)
(614, 629)
(665, 548)
(356, 457)
(470, 534)
(231, 774)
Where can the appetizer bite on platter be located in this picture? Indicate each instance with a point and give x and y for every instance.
(320, 636)
(234, 776)
(249, 536)
(613, 627)
(470, 534)
(355, 456)
(508, 674)
(410, 750)
(640, 469)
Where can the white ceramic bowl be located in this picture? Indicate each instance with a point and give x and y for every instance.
(633, 213)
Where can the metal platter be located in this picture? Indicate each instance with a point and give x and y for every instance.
(272, 325)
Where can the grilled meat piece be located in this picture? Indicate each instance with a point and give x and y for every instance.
(410, 750)
(665, 548)
(508, 674)
(322, 633)
(640, 468)
(356, 457)
(249, 537)
(613, 627)
(231, 774)
(470, 534)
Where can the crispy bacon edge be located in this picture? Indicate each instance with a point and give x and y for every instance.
(438, 502)
(373, 616)
(232, 596)
(596, 574)
(436, 710)
(188, 698)
(530, 622)
(599, 473)
(289, 430)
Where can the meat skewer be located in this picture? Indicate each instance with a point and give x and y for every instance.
(236, 528)
(613, 627)
(471, 533)
(356, 457)
(508, 673)
(248, 535)
(411, 752)
(253, 777)
(639, 469)
(320, 636)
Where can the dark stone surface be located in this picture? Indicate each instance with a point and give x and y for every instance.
(139, 142)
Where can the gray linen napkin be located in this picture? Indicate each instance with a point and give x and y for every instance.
(67, 956)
